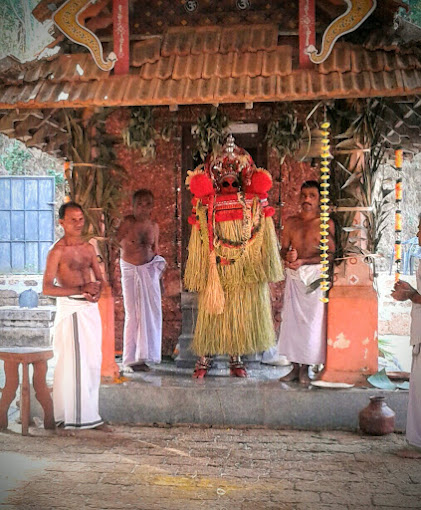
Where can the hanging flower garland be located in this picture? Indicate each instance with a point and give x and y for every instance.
(398, 213)
(324, 214)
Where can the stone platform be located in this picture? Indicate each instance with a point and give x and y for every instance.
(169, 395)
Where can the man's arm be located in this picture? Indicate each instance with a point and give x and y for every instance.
(123, 229)
(155, 246)
(51, 268)
(286, 239)
(97, 272)
(404, 292)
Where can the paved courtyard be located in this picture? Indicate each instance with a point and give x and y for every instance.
(215, 468)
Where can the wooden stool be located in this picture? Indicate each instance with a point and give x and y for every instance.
(12, 357)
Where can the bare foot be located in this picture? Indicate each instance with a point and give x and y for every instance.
(304, 377)
(293, 375)
(103, 428)
(140, 367)
(409, 453)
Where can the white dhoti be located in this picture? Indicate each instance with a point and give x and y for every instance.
(143, 311)
(77, 375)
(413, 418)
(302, 335)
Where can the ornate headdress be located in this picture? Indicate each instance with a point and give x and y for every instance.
(230, 160)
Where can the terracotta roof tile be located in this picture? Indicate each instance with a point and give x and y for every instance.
(234, 39)
(258, 37)
(78, 67)
(206, 40)
(217, 66)
(393, 81)
(162, 69)
(411, 79)
(284, 86)
(203, 89)
(35, 73)
(147, 51)
(188, 67)
(211, 65)
(277, 62)
(234, 92)
(362, 83)
(247, 64)
(169, 91)
(265, 88)
(263, 37)
(177, 41)
(365, 60)
(55, 93)
(339, 60)
(139, 91)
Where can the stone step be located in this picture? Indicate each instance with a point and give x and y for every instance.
(26, 327)
(260, 400)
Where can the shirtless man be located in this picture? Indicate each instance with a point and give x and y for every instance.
(302, 334)
(141, 271)
(73, 275)
(403, 291)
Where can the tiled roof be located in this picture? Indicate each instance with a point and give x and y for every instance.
(211, 65)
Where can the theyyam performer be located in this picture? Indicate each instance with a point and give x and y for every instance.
(233, 255)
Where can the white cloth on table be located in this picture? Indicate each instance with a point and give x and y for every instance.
(413, 419)
(77, 376)
(302, 335)
(143, 311)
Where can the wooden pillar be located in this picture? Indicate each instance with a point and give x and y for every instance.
(121, 36)
(306, 31)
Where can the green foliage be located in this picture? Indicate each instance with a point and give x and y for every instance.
(356, 180)
(140, 133)
(58, 176)
(284, 133)
(14, 158)
(210, 133)
(414, 14)
(21, 35)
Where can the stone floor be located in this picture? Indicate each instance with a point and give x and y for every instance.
(183, 468)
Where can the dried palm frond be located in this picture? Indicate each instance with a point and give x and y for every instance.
(95, 186)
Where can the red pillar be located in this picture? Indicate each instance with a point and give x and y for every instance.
(109, 368)
(352, 325)
(306, 31)
(121, 36)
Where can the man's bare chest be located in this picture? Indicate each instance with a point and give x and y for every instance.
(75, 259)
(140, 234)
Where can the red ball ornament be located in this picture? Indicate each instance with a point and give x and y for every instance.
(260, 183)
(201, 186)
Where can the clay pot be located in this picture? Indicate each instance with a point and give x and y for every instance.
(377, 419)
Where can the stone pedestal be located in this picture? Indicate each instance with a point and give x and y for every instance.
(186, 358)
(352, 318)
(26, 327)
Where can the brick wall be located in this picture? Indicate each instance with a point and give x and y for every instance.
(162, 176)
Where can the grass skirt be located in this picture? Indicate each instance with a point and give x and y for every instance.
(245, 325)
